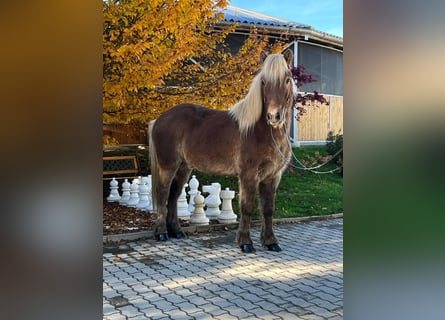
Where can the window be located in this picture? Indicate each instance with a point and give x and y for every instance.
(325, 65)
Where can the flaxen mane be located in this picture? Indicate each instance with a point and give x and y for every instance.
(248, 110)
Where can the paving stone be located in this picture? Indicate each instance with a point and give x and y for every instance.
(188, 308)
(178, 314)
(297, 301)
(108, 309)
(269, 317)
(196, 300)
(115, 316)
(118, 301)
(164, 305)
(321, 311)
(271, 307)
(109, 293)
(239, 312)
(326, 297)
(245, 304)
(151, 296)
(324, 304)
(182, 279)
(130, 281)
(251, 297)
(226, 316)
(120, 287)
(184, 292)
(130, 311)
(154, 313)
(235, 289)
(336, 318)
(129, 294)
(312, 317)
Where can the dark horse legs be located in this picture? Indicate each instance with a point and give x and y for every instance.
(173, 227)
(247, 204)
(168, 223)
(169, 188)
(267, 191)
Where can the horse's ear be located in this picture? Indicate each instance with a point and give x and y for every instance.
(289, 57)
(263, 56)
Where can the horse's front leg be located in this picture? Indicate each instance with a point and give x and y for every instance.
(267, 190)
(248, 188)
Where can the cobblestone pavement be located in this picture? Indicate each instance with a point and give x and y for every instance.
(206, 276)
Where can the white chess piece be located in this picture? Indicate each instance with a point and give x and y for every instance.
(143, 197)
(198, 216)
(114, 193)
(144, 179)
(125, 192)
(134, 194)
(183, 212)
(212, 201)
(150, 198)
(227, 215)
(193, 185)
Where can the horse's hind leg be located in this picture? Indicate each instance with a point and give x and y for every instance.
(173, 227)
(162, 194)
(267, 191)
(248, 188)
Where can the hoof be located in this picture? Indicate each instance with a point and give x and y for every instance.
(274, 247)
(247, 248)
(178, 235)
(162, 237)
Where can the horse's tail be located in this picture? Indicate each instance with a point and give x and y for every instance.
(153, 164)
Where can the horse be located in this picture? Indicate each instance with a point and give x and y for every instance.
(250, 141)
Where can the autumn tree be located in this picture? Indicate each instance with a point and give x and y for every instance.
(142, 40)
(160, 53)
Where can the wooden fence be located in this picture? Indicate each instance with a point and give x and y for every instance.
(126, 134)
(315, 124)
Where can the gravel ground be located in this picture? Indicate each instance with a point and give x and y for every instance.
(121, 219)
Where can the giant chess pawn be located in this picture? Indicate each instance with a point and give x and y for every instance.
(193, 185)
(227, 215)
(143, 197)
(183, 212)
(198, 216)
(144, 180)
(125, 192)
(114, 193)
(134, 194)
(212, 201)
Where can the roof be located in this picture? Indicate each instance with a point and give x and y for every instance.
(247, 18)
(235, 14)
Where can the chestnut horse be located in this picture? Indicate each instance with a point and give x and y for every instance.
(249, 141)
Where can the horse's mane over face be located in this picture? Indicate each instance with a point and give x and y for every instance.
(248, 110)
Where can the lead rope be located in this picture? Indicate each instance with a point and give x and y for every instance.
(303, 167)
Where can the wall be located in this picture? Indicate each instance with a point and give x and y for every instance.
(315, 124)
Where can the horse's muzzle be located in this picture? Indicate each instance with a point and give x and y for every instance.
(275, 120)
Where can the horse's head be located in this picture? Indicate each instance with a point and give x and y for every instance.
(277, 87)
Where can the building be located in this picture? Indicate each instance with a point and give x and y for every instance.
(320, 53)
